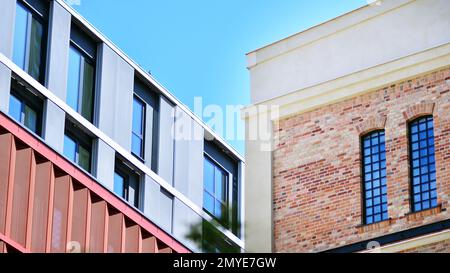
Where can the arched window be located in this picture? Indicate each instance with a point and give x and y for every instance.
(374, 177)
(422, 164)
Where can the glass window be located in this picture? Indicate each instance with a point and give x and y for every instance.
(215, 188)
(29, 34)
(84, 158)
(80, 83)
(119, 185)
(30, 118)
(15, 108)
(73, 81)
(126, 184)
(78, 153)
(137, 138)
(374, 177)
(25, 112)
(20, 35)
(422, 164)
(70, 148)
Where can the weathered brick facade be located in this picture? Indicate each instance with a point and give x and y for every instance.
(317, 196)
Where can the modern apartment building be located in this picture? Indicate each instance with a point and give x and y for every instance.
(358, 111)
(95, 155)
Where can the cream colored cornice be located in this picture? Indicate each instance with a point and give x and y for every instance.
(412, 243)
(323, 30)
(356, 84)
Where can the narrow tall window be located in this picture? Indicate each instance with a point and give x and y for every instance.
(423, 165)
(78, 147)
(126, 184)
(374, 177)
(29, 40)
(215, 191)
(137, 138)
(80, 84)
(25, 107)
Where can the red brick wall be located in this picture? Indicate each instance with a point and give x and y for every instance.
(439, 247)
(316, 165)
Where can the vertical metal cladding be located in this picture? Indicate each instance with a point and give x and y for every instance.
(48, 205)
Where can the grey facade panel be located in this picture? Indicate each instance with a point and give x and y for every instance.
(58, 50)
(166, 210)
(166, 140)
(5, 88)
(104, 163)
(115, 97)
(188, 162)
(185, 221)
(158, 204)
(7, 16)
(53, 126)
(151, 199)
(151, 99)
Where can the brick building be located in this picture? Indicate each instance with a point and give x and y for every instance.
(359, 116)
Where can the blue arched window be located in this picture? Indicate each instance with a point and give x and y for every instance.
(374, 177)
(422, 164)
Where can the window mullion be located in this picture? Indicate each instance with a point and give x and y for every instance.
(28, 42)
(80, 85)
(22, 112)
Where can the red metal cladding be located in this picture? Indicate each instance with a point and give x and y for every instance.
(60, 213)
(6, 142)
(115, 231)
(22, 177)
(48, 205)
(44, 175)
(132, 237)
(79, 217)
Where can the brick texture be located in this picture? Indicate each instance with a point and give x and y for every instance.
(317, 189)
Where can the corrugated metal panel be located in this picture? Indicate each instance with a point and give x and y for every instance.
(115, 230)
(22, 176)
(60, 213)
(149, 243)
(79, 216)
(6, 142)
(48, 205)
(99, 225)
(132, 237)
(44, 173)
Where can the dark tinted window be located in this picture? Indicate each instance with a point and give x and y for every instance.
(25, 107)
(374, 177)
(29, 38)
(422, 164)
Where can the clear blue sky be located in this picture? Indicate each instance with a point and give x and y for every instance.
(197, 47)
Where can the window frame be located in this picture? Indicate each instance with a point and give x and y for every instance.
(229, 177)
(40, 17)
(32, 100)
(91, 60)
(363, 164)
(411, 159)
(143, 123)
(126, 173)
(80, 139)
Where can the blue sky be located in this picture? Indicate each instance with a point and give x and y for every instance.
(196, 48)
